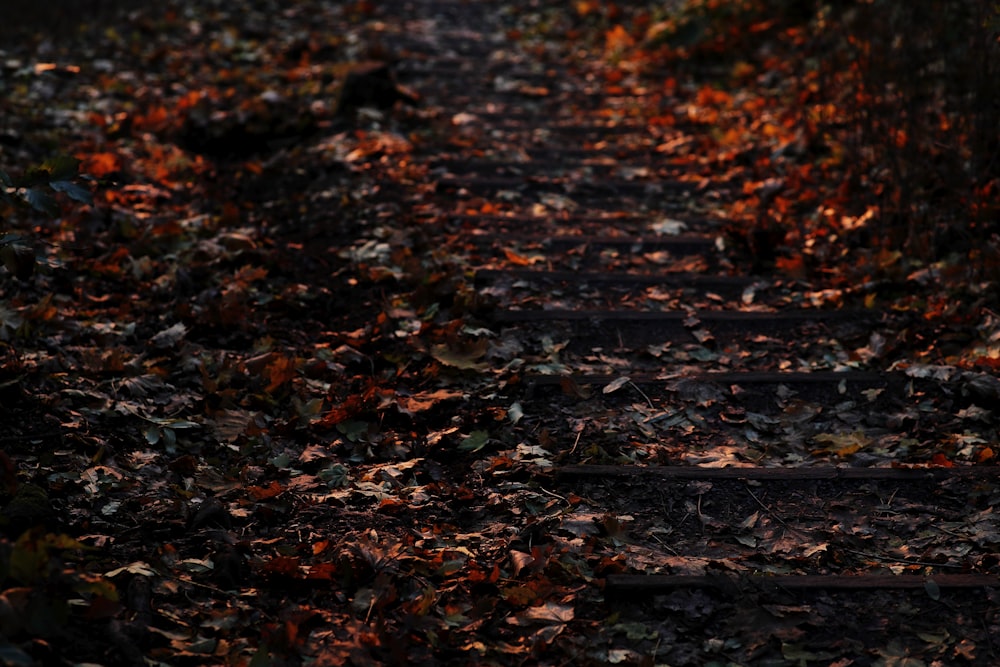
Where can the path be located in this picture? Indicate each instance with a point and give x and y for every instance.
(716, 437)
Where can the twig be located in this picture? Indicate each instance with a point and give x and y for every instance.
(642, 393)
(577, 441)
(665, 545)
(890, 559)
(554, 495)
(771, 512)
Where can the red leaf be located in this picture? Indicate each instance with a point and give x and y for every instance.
(940, 459)
(286, 566)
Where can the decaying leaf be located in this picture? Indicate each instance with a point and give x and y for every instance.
(463, 356)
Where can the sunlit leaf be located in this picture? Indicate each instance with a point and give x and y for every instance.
(426, 400)
(138, 567)
(550, 612)
(517, 259)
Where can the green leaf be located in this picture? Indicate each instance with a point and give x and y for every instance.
(475, 441)
(73, 191)
(61, 167)
(353, 430)
(334, 476)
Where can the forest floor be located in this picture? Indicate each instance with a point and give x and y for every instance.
(542, 344)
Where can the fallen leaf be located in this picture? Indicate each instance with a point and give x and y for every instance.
(616, 384)
(550, 612)
(462, 356)
(426, 399)
(475, 441)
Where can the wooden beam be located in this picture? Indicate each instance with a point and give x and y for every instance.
(655, 584)
(676, 317)
(728, 377)
(629, 279)
(777, 474)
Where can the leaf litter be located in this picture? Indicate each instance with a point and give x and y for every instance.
(297, 451)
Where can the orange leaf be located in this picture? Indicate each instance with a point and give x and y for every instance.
(266, 492)
(617, 39)
(794, 267)
(516, 258)
(279, 371)
(391, 505)
(323, 571)
(942, 460)
(425, 400)
(100, 164)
